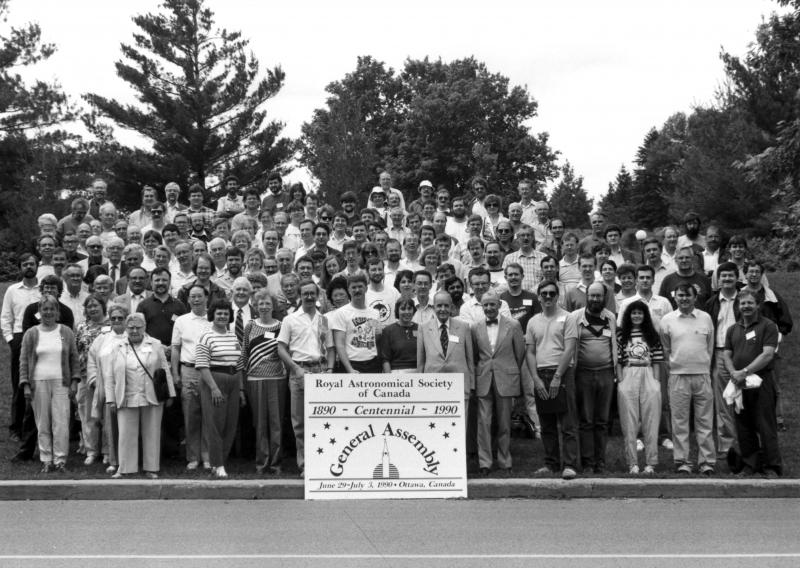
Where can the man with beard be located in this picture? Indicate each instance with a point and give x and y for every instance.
(380, 297)
(522, 304)
(590, 340)
(686, 274)
(78, 214)
(456, 225)
(394, 252)
(276, 199)
(356, 329)
(234, 263)
(528, 257)
(231, 203)
(196, 207)
(172, 191)
(692, 237)
(455, 287)
(494, 263)
(687, 335)
(750, 346)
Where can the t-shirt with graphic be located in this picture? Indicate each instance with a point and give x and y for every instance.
(383, 303)
(638, 353)
(360, 327)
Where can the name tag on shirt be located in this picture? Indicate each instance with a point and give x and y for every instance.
(454, 339)
(750, 335)
(174, 317)
(146, 349)
(606, 333)
(38, 316)
(561, 319)
(414, 332)
(527, 302)
(269, 335)
(105, 328)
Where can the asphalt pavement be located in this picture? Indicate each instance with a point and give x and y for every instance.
(463, 533)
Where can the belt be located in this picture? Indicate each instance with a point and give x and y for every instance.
(228, 370)
(187, 364)
(319, 363)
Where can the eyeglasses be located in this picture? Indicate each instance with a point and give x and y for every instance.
(118, 318)
(503, 231)
(156, 212)
(492, 205)
(94, 246)
(324, 218)
(546, 294)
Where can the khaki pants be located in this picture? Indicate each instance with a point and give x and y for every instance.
(144, 420)
(639, 401)
(51, 411)
(687, 392)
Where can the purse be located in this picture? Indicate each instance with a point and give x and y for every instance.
(159, 379)
(557, 405)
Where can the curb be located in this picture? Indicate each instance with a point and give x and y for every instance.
(136, 489)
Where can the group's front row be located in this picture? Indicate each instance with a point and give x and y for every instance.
(567, 367)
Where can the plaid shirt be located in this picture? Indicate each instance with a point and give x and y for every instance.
(531, 266)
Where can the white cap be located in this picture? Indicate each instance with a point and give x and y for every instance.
(426, 183)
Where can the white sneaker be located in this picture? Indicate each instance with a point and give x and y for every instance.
(568, 473)
(207, 465)
(191, 466)
(634, 470)
(111, 469)
(89, 460)
(667, 443)
(220, 472)
(649, 470)
(639, 445)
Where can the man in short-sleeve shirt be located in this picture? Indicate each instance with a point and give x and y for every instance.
(355, 330)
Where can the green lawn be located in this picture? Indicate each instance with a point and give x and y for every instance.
(527, 453)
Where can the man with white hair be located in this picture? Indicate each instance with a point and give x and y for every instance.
(98, 190)
(172, 191)
(385, 182)
(115, 268)
(47, 224)
(243, 312)
(108, 218)
(94, 248)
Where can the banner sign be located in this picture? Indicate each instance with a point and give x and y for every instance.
(385, 436)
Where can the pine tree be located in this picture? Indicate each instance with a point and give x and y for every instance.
(569, 200)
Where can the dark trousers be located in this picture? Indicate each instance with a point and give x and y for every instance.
(593, 393)
(757, 421)
(565, 453)
(371, 366)
(17, 399)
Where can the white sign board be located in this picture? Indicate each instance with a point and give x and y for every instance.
(391, 436)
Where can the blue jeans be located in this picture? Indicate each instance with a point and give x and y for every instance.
(593, 393)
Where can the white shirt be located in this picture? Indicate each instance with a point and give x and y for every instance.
(304, 336)
(491, 331)
(658, 306)
(75, 303)
(472, 311)
(186, 332)
(16, 299)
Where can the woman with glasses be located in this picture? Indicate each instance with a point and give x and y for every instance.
(254, 261)
(131, 394)
(494, 206)
(94, 324)
(98, 368)
(49, 367)
(150, 240)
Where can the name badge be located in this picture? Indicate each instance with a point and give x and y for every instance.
(414, 332)
(146, 349)
(561, 319)
(454, 339)
(105, 328)
(527, 302)
(269, 335)
(606, 333)
(174, 317)
(750, 335)
(38, 316)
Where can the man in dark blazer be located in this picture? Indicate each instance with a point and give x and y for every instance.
(500, 347)
(444, 345)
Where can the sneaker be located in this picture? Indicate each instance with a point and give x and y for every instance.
(667, 444)
(111, 469)
(117, 475)
(639, 445)
(685, 469)
(90, 460)
(47, 468)
(192, 465)
(634, 470)
(151, 475)
(61, 468)
(207, 465)
(649, 470)
(568, 473)
(220, 472)
(707, 470)
(543, 471)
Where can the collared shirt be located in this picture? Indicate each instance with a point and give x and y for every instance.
(423, 314)
(17, 297)
(336, 243)
(247, 313)
(171, 210)
(208, 217)
(304, 336)
(160, 317)
(186, 333)
(472, 311)
(569, 273)
(242, 220)
(577, 328)
(75, 303)
(658, 306)
(746, 342)
(710, 260)
(531, 267)
(141, 218)
(398, 234)
(179, 278)
(491, 331)
(227, 205)
(136, 299)
(689, 340)
(725, 319)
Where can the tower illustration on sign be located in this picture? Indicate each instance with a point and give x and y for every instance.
(385, 469)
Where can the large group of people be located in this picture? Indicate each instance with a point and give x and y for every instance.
(185, 324)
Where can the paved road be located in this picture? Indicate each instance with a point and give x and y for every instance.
(507, 533)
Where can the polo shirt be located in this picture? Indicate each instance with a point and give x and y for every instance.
(186, 333)
(689, 339)
(746, 342)
(160, 317)
(546, 336)
(522, 307)
(568, 272)
(304, 336)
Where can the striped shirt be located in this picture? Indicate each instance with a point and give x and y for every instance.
(259, 359)
(637, 352)
(217, 350)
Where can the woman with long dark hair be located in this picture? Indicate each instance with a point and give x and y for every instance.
(639, 388)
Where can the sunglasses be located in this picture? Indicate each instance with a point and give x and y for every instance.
(548, 294)
(492, 205)
(503, 231)
(325, 218)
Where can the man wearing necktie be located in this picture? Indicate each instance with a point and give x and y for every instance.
(500, 347)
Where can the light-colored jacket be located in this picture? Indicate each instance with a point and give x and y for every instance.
(99, 365)
(70, 362)
(152, 356)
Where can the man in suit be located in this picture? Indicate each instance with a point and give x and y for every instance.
(500, 347)
(114, 266)
(444, 345)
(136, 292)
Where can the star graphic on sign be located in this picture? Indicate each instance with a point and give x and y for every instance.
(320, 450)
(313, 435)
(327, 426)
(346, 428)
(453, 424)
(333, 441)
(446, 434)
(431, 425)
(455, 449)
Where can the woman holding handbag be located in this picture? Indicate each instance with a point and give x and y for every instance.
(138, 387)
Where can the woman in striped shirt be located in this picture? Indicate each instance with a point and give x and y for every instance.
(222, 389)
(639, 388)
(267, 382)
